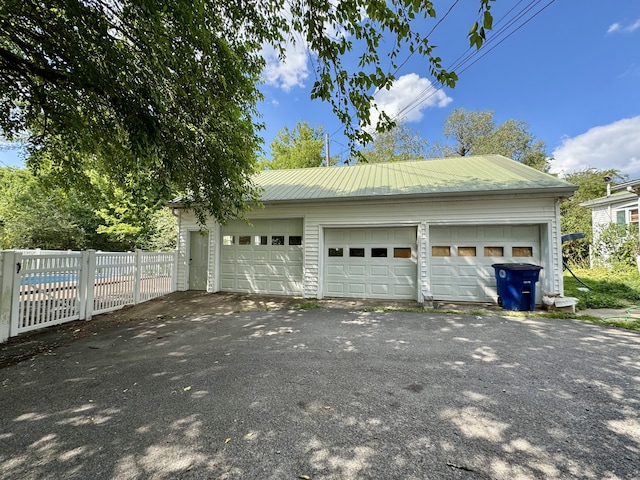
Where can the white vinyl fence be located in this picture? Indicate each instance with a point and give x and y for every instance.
(43, 288)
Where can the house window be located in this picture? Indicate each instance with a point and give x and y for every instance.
(295, 240)
(277, 240)
(633, 216)
(356, 252)
(493, 251)
(621, 217)
(440, 251)
(466, 251)
(378, 252)
(260, 240)
(244, 240)
(228, 239)
(522, 252)
(336, 252)
(402, 252)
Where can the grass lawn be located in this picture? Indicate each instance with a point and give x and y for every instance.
(607, 289)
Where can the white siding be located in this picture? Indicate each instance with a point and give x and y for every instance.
(510, 210)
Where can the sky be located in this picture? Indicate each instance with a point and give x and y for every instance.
(569, 68)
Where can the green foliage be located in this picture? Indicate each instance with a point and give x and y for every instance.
(608, 288)
(167, 90)
(36, 213)
(475, 133)
(575, 218)
(617, 245)
(301, 147)
(399, 144)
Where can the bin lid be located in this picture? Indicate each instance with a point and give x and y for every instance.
(516, 266)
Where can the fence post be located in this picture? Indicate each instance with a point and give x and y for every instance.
(137, 278)
(10, 294)
(90, 284)
(7, 263)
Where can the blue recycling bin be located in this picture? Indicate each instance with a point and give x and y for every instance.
(517, 285)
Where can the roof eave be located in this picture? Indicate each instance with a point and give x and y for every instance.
(555, 192)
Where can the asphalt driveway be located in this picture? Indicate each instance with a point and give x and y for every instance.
(327, 394)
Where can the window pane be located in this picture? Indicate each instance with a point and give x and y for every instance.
(522, 252)
(356, 252)
(335, 252)
(494, 251)
(277, 240)
(260, 240)
(440, 251)
(404, 252)
(466, 251)
(378, 252)
(621, 217)
(228, 239)
(244, 240)
(634, 215)
(295, 240)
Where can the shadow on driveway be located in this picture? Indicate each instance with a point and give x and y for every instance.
(329, 393)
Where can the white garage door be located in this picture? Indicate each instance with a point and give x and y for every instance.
(461, 258)
(265, 257)
(371, 263)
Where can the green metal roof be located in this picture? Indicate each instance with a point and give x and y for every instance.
(461, 175)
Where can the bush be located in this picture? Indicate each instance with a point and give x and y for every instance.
(617, 246)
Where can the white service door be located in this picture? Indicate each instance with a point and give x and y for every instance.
(198, 259)
(371, 263)
(461, 258)
(265, 257)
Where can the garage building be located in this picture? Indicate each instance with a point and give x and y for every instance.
(406, 230)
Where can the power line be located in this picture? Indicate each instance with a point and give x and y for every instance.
(432, 90)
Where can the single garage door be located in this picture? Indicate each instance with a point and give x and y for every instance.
(371, 263)
(461, 258)
(265, 257)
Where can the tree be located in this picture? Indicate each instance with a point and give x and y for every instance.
(401, 143)
(35, 213)
(465, 128)
(298, 148)
(575, 218)
(475, 133)
(169, 88)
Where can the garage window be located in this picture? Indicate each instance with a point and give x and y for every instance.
(244, 240)
(466, 251)
(494, 251)
(277, 240)
(260, 240)
(336, 252)
(522, 252)
(402, 252)
(228, 239)
(440, 251)
(378, 252)
(356, 252)
(295, 240)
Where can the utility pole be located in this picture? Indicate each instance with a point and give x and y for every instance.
(326, 148)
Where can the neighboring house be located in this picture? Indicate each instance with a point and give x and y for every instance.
(619, 206)
(410, 230)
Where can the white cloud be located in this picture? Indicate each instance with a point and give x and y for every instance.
(290, 72)
(616, 145)
(617, 27)
(407, 99)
